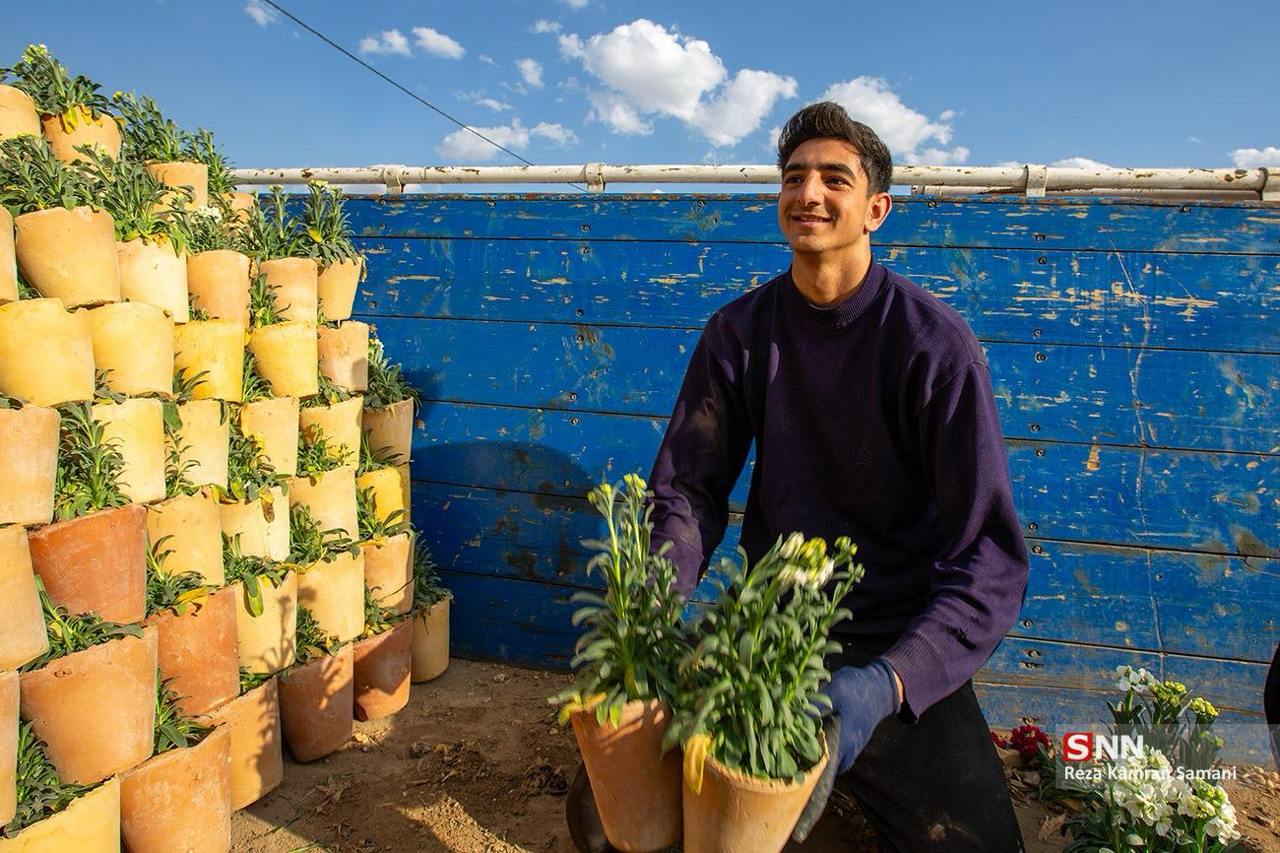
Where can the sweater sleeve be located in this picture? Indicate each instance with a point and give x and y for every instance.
(702, 454)
(980, 575)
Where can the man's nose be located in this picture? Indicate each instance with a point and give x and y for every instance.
(811, 190)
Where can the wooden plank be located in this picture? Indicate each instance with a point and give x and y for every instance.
(1217, 302)
(1115, 395)
(1087, 225)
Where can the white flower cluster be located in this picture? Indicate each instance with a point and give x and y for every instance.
(1139, 681)
(1146, 787)
(816, 577)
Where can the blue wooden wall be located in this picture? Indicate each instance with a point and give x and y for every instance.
(1135, 354)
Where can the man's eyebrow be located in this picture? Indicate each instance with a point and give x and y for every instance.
(821, 167)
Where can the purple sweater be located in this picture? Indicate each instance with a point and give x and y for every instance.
(872, 419)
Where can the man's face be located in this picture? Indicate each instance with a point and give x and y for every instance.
(823, 204)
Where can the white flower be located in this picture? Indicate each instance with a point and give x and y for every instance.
(791, 547)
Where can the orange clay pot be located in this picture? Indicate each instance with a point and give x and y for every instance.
(8, 260)
(268, 642)
(136, 427)
(337, 288)
(296, 284)
(390, 430)
(257, 765)
(218, 282)
(96, 709)
(242, 205)
(154, 273)
(9, 745)
(334, 593)
(198, 651)
(287, 355)
(180, 799)
(344, 354)
(388, 491)
(77, 127)
(215, 348)
(204, 441)
(331, 497)
(262, 525)
(178, 173)
(340, 424)
(316, 699)
(431, 640)
(133, 342)
(274, 423)
(96, 562)
(90, 824)
(69, 255)
(28, 465)
(18, 117)
(193, 526)
(22, 631)
(46, 353)
(636, 787)
(382, 665)
(388, 570)
(735, 811)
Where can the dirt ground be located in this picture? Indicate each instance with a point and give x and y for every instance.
(477, 763)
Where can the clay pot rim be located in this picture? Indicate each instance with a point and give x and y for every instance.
(347, 648)
(404, 622)
(129, 507)
(147, 630)
(383, 540)
(88, 207)
(155, 162)
(222, 252)
(290, 258)
(423, 612)
(737, 779)
(202, 602)
(389, 406)
(221, 731)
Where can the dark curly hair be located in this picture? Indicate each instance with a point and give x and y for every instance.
(828, 120)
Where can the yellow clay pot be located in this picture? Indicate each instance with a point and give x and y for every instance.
(344, 354)
(334, 593)
(22, 631)
(46, 353)
(18, 117)
(262, 525)
(218, 282)
(204, 441)
(337, 288)
(28, 465)
(296, 285)
(287, 356)
(194, 527)
(154, 273)
(133, 342)
(331, 497)
(431, 641)
(390, 430)
(69, 255)
(257, 760)
(388, 570)
(388, 492)
(178, 173)
(274, 423)
(90, 824)
(77, 127)
(215, 348)
(340, 424)
(8, 260)
(137, 428)
(268, 642)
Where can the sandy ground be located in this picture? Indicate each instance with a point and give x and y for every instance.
(476, 762)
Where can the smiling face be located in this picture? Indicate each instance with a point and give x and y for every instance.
(823, 206)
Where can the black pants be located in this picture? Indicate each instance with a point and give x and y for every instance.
(1271, 705)
(936, 784)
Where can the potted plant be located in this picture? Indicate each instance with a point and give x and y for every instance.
(196, 627)
(18, 115)
(28, 468)
(325, 485)
(46, 353)
(386, 543)
(94, 556)
(65, 243)
(266, 616)
(379, 475)
(253, 721)
(233, 207)
(748, 707)
(271, 421)
(197, 438)
(431, 603)
(133, 346)
(150, 138)
(216, 349)
(190, 521)
(22, 632)
(253, 509)
(330, 570)
(337, 415)
(344, 354)
(382, 662)
(91, 696)
(135, 426)
(277, 244)
(218, 271)
(316, 693)
(56, 815)
(285, 351)
(390, 403)
(72, 111)
(328, 238)
(180, 798)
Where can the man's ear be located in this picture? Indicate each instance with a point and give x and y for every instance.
(877, 211)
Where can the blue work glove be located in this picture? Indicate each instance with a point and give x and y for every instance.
(861, 698)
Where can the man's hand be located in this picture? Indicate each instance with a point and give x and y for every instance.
(861, 698)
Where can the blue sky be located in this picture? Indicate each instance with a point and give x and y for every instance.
(623, 81)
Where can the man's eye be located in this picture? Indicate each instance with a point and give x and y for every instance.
(836, 181)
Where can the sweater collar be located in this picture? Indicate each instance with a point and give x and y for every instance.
(844, 312)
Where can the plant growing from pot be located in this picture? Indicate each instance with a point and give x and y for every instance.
(171, 591)
(285, 351)
(73, 112)
(748, 710)
(218, 270)
(233, 206)
(383, 659)
(431, 605)
(330, 574)
(276, 241)
(328, 238)
(197, 436)
(253, 507)
(620, 703)
(326, 484)
(379, 475)
(390, 404)
(387, 545)
(316, 692)
(44, 801)
(266, 619)
(158, 142)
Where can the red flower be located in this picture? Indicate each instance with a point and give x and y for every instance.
(1028, 740)
(999, 740)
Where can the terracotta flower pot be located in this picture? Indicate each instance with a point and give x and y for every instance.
(735, 811)
(28, 465)
(18, 117)
(180, 799)
(96, 709)
(316, 699)
(9, 744)
(382, 665)
(334, 593)
(331, 497)
(8, 260)
(388, 491)
(134, 342)
(96, 562)
(431, 641)
(262, 525)
(136, 427)
(156, 274)
(69, 255)
(46, 353)
(390, 429)
(77, 127)
(637, 789)
(91, 824)
(204, 440)
(198, 649)
(178, 173)
(296, 282)
(337, 288)
(193, 526)
(215, 348)
(268, 642)
(344, 354)
(219, 282)
(287, 356)
(388, 570)
(274, 423)
(242, 205)
(22, 631)
(257, 763)
(340, 424)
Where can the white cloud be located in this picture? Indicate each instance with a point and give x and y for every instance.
(576, 4)
(531, 71)
(871, 101)
(387, 42)
(1197, 140)
(1253, 158)
(1079, 163)
(648, 70)
(775, 133)
(261, 12)
(466, 146)
(486, 59)
(495, 105)
(557, 134)
(437, 43)
(542, 25)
